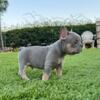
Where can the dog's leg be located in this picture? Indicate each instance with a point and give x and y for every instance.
(22, 72)
(59, 70)
(45, 76)
(46, 72)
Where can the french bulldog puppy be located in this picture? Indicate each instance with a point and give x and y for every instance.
(49, 57)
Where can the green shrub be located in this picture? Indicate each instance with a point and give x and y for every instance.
(40, 35)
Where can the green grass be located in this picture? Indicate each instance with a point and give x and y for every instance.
(80, 79)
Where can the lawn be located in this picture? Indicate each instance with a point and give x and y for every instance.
(80, 79)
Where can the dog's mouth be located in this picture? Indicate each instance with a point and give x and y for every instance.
(75, 52)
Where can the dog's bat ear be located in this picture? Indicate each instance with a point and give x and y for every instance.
(63, 33)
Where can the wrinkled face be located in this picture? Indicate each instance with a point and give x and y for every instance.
(72, 44)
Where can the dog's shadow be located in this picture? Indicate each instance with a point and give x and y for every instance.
(34, 73)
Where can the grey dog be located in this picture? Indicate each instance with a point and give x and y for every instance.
(49, 57)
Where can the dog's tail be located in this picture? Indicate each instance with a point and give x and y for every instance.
(21, 48)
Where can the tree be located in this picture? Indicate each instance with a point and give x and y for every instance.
(3, 8)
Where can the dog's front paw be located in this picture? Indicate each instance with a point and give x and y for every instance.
(45, 77)
(25, 78)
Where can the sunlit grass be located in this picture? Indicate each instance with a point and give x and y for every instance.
(80, 79)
